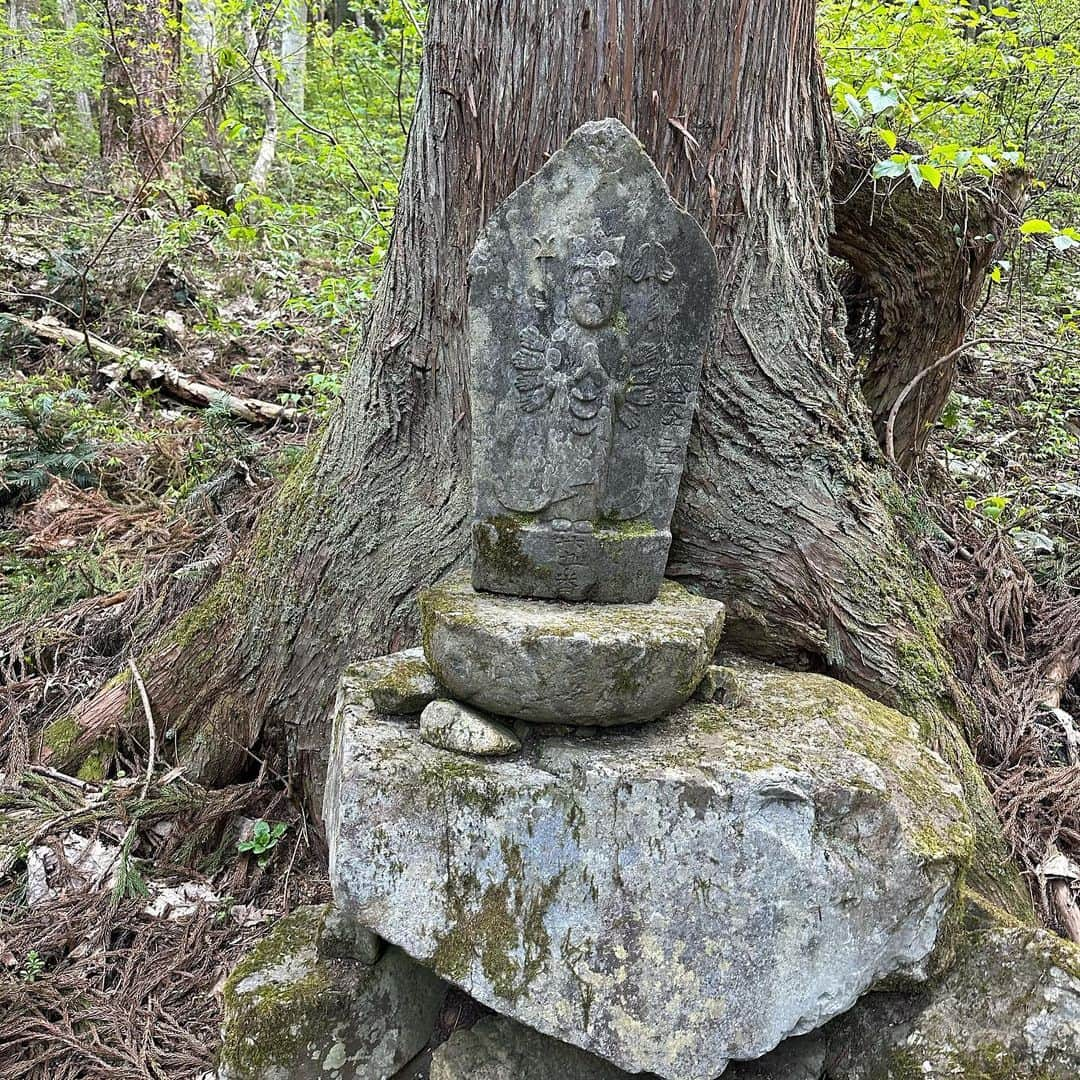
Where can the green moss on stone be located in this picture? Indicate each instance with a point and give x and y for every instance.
(277, 1021)
(60, 736)
(499, 547)
(992, 1062)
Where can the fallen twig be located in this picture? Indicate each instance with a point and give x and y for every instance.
(128, 365)
(149, 723)
(905, 393)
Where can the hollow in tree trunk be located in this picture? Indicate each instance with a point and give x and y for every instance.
(917, 259)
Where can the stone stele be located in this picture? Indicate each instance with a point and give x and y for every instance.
(590, 303)
(669, 898)
(562, 663)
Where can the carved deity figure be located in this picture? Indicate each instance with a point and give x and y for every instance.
(580, 384)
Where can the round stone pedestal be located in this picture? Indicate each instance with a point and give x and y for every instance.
(569, 663)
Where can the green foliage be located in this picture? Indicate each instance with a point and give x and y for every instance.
(980, 88)
(42, 66)
(264, 838)
(32, 968)
(43, 435)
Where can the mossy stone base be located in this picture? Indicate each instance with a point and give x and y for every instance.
(498, 1049)
(620, 564)
(558, 663)
(666, 897)
(291, 1014)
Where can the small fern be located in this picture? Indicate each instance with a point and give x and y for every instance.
(41, 440)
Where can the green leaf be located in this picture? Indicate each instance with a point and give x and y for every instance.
(931, 174)
(888, 138)
(915, 174)
(1063, 242)
(855, 106)
(880, 101)
(1035, 227)
(889, 167)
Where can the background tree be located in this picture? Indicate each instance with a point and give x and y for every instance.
(140, 92)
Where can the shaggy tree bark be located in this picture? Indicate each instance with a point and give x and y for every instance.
(784, 507)
(140, 83)
(918, 260)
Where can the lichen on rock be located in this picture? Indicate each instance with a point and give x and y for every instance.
(291, 1014)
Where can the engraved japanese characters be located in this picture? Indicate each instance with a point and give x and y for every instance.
(591, 296)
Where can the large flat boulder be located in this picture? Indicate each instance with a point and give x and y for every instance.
(550, 662)
(668, 897)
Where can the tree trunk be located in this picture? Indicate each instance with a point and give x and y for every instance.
(264, 83)
(918, 259)
(69, 18)
(22, 20)
(140, 87)
(294, 14)
(783, 511)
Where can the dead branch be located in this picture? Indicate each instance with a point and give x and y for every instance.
(128, 365)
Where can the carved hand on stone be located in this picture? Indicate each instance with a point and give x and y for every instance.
(587, 389)
(537, 365)
(640, 391)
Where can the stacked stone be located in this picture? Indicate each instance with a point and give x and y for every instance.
(560, 804)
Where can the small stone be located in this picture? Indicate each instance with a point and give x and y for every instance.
(400, 684)
(720, 684)
(343, 938)
(591, 299)
(290, 1012)
(496, 1048)
(450, 725)
(561, 663)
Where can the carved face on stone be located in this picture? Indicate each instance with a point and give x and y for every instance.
(595, 278)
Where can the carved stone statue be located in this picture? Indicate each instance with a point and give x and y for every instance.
(590, 302)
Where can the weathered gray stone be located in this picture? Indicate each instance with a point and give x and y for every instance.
(343, 938)
(1008, 1010)
(669, 898)
(569, 663)
(291, 1014)
(496, 1048)
(590, 302)
(400, 684)
(450, 725)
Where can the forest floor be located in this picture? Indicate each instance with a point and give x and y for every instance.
(126, 893)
